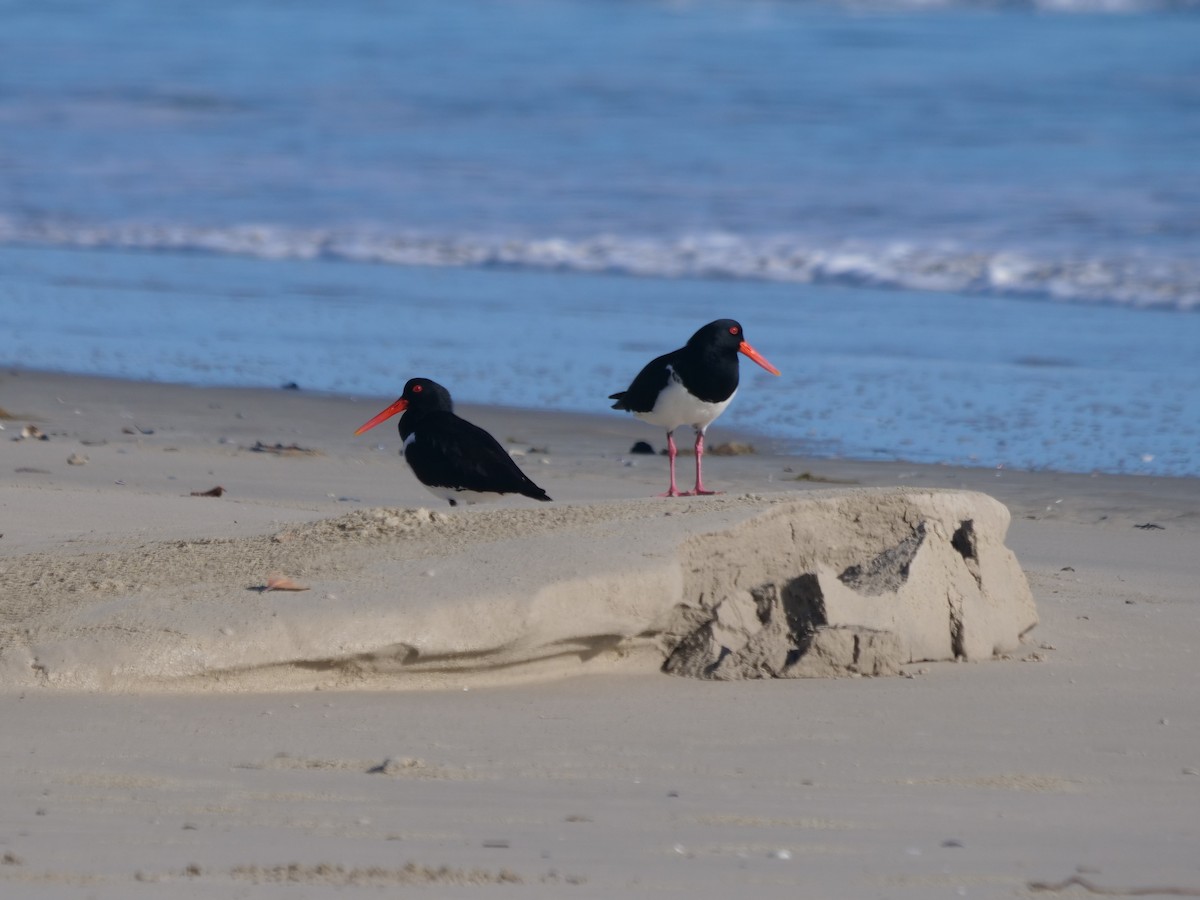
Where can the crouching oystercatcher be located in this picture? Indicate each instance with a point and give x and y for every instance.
(690, 386)
(454, 459)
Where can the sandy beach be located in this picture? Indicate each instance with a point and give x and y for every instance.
(583, 772)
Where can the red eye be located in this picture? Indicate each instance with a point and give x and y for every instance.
(417, 389)
(733, 330)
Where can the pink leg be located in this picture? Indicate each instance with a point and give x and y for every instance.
(671, 451)
(699, 456)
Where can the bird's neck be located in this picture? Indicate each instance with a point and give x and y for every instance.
(411, 420)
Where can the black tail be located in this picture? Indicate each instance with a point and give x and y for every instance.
(533, 492)
(620, 398)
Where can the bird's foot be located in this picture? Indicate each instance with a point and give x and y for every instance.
(699, 492)
(673, 492)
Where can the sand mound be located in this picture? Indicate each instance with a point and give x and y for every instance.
(751, 586)
(854, 582)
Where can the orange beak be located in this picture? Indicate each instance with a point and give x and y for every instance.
(743, 347)
(399, 406)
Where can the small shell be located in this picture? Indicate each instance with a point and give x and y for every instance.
(283, 583)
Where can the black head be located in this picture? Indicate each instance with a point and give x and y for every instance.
(421, 395)
(725, 336)
(426, 395)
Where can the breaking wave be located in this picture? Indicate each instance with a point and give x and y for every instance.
(1140, 281)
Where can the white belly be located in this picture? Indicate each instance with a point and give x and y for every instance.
(675, 407)
(463, 498)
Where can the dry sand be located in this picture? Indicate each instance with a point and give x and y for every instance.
(1080, 753)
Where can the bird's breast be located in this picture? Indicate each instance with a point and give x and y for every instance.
(676, 406)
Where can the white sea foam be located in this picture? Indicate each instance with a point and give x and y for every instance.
(1142, 281)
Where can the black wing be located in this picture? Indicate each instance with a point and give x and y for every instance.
(642, 393)
(450, 452)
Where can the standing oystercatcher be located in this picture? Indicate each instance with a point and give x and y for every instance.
(454, 459)
(690, 386)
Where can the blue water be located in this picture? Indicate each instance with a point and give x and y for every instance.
(867, 374)
(371, 186)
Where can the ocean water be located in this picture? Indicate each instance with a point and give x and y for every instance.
(966, 232)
